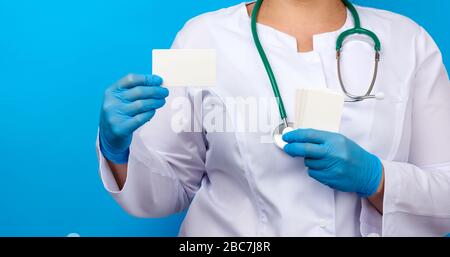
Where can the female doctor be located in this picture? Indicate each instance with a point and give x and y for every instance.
(387, 171)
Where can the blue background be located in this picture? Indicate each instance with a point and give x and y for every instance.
(56, 59)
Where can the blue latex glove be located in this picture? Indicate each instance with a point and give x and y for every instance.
(336, 161)
(127, 105)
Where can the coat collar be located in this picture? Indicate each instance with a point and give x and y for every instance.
(271, 37)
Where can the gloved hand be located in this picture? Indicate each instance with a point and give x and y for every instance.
(127, 105)
(336, 161)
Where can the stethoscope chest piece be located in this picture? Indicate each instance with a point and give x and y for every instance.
(278, 133)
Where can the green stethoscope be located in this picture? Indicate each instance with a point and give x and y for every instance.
(340, 41)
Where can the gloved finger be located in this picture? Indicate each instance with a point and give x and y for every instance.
(137, 121)
(306, 136)
(134, 80)
(153, 81)
(130, 81)
(144, 92)
(316, 164)
(320, 175)
(307, 150)
(141, 106)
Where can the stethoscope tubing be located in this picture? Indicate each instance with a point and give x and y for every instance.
(267, 66)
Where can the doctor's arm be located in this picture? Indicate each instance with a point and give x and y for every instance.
(416, 193)
(150, 169)
(127, 105)
(430, 136)
(377, 199)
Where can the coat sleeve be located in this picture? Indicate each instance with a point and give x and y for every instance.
(417, 193)
(166, 162)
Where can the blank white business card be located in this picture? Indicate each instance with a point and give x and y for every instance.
(319, 109)
(186, 67)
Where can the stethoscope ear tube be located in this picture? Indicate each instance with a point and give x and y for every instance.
(368, 95)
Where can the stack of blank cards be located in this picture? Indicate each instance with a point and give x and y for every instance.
(319, 109)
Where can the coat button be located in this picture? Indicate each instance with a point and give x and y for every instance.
(264, 218)
(323, 223)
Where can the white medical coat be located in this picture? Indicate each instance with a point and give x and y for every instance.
(233, 184)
